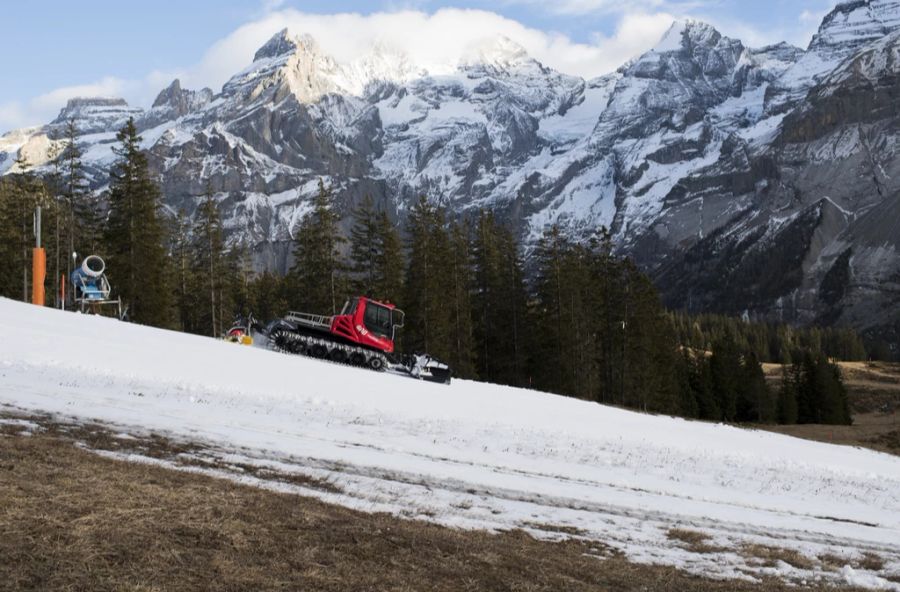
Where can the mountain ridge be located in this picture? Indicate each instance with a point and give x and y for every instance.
(695, 147)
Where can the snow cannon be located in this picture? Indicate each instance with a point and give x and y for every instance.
(89, 280)
(90, 287)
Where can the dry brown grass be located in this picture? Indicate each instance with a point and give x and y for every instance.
(869, 561)
(770, 556)
(72, 520)
(694, 541)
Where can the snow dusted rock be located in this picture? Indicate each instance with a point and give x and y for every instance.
(95, 115)
(705, 157)
(850, 26)
(175, 102)
(813, 234)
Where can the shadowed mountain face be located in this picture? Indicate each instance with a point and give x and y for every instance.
(742, 179)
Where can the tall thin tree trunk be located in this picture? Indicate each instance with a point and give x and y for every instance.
(212, 278)
(24, 260)
(56, 263)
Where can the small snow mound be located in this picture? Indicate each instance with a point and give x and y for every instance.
(866, 580)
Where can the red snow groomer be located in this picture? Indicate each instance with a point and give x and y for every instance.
(362, 335)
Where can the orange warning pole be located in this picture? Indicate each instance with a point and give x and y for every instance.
(38, 263)
(38, 275)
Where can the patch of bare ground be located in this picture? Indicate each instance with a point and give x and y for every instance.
(75, 520)
(768, 556)
(694, 540)
(869, 561)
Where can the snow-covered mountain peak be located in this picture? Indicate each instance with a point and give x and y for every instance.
(282, 43)
(81, 105)
(686, 33)
(855, 22)
(500, 52)
(846, 29)
(95, 114)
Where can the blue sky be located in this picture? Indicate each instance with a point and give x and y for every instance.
(55, 49)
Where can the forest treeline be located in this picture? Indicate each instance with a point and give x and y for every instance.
(585, 322)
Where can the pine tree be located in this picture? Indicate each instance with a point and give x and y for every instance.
(376, 255)
(754, 402)
(725, 368)
(212, 269)
(460, 280)
(552, 359)
(22, 193)
(486, 297)
(135, 236)
(85, 225)
(365, 249)
(57, 252)
(787, 396)
(267, 296)
(183, 272)
(686, 369)
(428, 282)
(389, 261)
(317, 277)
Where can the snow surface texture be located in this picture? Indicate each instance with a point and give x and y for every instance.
(470, 455)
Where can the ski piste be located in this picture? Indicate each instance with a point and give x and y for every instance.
(361, 335)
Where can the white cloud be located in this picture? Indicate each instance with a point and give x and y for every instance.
(441, 37)
(271, 5)
(44, 108)
(11, 115)
(584, 7)
(430, 38)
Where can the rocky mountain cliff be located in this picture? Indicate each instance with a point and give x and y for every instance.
(742, 179)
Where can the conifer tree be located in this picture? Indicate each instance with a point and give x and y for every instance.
(390, 260)
(376, 255)
(787, 396)
(85, 225)
(135, 236)
(428, 283)
(21, 193)
(725, 368)
(365, 249)
(317, 276)
(754, 402)
(460, 280)
(212, 269)
(552, 360)
(267, 296)
(183, 279)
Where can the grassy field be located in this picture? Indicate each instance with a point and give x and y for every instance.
(874, 392)
(74, 520)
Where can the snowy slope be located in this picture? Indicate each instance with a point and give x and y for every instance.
(470, 455)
